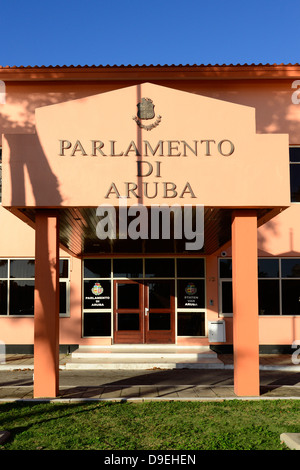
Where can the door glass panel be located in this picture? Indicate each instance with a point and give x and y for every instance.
(128, 295)
(159, 321)
(159, 294)
(128, 321)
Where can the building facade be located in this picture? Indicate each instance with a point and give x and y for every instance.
(146, 205)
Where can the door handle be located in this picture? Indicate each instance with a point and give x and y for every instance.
(146, 312)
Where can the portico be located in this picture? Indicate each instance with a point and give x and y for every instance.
(68, 185)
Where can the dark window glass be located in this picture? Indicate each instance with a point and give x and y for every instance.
(128, 321)
(22, 268)
(290, 267)
(295, 154)
(159, 321)
(268, 297)
(3, 268)
(162, 267)
(191, 324)
(159, 294)
(295, 182)
(227, 306)
(268, 268)
(190, 294)
(97, 324)
(128, 268)
(97, 294)
(97, 268)
(128, 295)
(21, 297)
(291, 297)
(3, 297)
(226, 268)
(190, 267)
(63, 268)
(63, 297)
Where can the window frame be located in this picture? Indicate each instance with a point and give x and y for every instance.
(9, 279)
(280, 278)
(291, 164)
(175, 278)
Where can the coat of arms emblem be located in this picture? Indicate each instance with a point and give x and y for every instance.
(191, 289)
(146, 112)
(146, 109)
(97, 289)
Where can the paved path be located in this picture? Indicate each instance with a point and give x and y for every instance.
(183, 384)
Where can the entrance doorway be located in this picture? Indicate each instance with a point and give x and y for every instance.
(144, 311)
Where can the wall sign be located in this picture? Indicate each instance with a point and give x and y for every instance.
(97, 294)
(190, 294)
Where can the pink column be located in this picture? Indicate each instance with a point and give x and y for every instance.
(46, 305)
(245, 303)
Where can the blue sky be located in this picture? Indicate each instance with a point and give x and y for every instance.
(97, 32)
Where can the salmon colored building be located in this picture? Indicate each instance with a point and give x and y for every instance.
(150, 205)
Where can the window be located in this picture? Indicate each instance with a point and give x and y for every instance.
(17, 287)
(295, 173)
(278, 286)
(184, 275)
(0, 174)
(191, 297)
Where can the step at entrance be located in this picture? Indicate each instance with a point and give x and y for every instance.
(143, 357)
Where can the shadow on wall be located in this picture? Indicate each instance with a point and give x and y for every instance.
(271, 230)
(28, 157)
(18, 113)
(27, 161)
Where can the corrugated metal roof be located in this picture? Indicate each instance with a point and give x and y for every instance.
(146, 65)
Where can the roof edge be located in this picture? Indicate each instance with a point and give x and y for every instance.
(153, 72)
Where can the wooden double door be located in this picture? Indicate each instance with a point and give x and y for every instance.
(144, 311)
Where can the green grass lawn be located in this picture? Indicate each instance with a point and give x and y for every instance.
(226, 425)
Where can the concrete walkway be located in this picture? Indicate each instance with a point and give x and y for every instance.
(279, 379)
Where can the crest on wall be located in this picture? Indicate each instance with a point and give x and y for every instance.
(146, 112)
(97, 289)
(191, 289)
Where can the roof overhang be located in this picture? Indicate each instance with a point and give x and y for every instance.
(150, 145)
